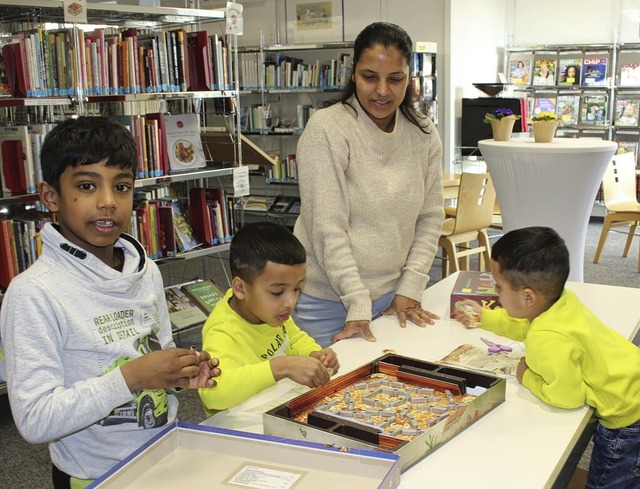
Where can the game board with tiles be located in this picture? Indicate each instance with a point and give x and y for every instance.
(398, 404)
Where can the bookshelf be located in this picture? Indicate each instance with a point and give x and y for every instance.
(129, 91)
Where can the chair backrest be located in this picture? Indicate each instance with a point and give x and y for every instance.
(619, 180)
(476, 200)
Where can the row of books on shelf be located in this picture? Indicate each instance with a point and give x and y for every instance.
(258, 117)
(190, 303)
(423, 64)
(166, 227)
(286, 72)
(20, 244)
(166, 144)
(547, 69)
(108, 62)
(588, 110)
(284, 170)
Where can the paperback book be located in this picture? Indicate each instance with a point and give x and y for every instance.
(205, 293)
(568, 109)
(519, 71)
(544, 104)
(569, 71)
(183, 311)
(183, 142)
(594, 110)
(630, 75)
(627, 112)
(544, 72)
(594, 72)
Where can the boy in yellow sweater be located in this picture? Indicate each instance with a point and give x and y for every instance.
(252, 329)
(572, 358)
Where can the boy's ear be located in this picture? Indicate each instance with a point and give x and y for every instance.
(238, 287)
(529, 296)
(48, 196)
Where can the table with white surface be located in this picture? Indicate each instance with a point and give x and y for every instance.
(523, 443)
(549, 184)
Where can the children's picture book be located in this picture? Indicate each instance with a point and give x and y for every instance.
(630, 75)
(183, 142)
(205, 293)
(627, 112)
(543, 104)
(568, 109)
(594, 110)
(594, 72)
(520, 71)
(185, 237)
(569, 71)
(544, 72)
(183, 311)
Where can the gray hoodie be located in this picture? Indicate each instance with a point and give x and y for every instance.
(67, 324)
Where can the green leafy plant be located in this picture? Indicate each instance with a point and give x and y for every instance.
(498, 114)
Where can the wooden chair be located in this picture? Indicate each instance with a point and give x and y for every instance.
(473, 215)
(621, 201)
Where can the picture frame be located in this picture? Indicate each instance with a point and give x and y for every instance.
(314, 22)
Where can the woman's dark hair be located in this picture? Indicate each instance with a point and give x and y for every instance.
(533, 257)
(84, 141)
(387, 35)
(257, 243)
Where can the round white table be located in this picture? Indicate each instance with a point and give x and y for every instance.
(549, 184)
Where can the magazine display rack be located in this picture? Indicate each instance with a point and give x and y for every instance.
(593, 89)
(138, 64)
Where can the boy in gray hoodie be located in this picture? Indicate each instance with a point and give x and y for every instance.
(88, 345)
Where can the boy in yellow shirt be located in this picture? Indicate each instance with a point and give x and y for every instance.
(251, 330)
(572, 358)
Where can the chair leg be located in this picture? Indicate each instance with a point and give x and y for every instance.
(485, 256)
(632, 232)
(463, 261)
(603, 237)
(451, 263)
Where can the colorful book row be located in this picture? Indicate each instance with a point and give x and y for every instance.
(65, 62)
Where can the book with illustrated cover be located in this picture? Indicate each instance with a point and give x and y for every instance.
(520, 71)
(183, 142)
(630, 75)
(628, 147)
(185, 237)
(544, 72)
(205, 293)
(183, 311)
(543, 104)
(281, 204)
(594, 110)
(568, 109)
(569, 71)
(627, 112)
(594, 72)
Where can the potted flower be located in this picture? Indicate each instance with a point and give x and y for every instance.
(544, 126)
(502, 121)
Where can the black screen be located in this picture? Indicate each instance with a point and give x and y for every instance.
(473, 127)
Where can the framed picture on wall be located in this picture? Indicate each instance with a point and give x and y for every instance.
(311, 22)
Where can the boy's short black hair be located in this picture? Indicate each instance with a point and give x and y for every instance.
(258, 243)
(85, 141)
(533, 257)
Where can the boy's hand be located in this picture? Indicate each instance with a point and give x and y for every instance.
(307, 371)
(328, 358)
(208, 370)
(468, 313)
(162, 369)
(521, 369)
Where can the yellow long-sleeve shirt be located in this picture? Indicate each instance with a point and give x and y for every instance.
(574, 359)
(244, 350)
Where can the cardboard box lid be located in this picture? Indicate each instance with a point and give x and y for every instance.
(184, 455)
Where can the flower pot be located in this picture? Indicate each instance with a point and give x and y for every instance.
(502, 128)
(543, 131)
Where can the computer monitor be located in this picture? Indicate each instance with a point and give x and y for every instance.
(473, 127)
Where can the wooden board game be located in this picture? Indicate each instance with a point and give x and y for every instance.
(398, 404)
